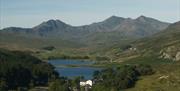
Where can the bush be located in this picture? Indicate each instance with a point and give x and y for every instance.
(49, 48)
(58, 85)
(144, 70)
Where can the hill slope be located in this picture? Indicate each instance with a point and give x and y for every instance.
(166, 45)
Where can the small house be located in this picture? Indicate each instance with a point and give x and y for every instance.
(84, 83)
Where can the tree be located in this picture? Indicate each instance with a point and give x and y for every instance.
(3, 85)
(144, 70)
(57, 85)
(76, 81)
(49, 48)
(21, 70)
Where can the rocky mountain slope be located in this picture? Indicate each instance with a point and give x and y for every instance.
(108, 32)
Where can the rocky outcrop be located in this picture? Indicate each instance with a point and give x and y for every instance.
(172, 53)
(166, 56)
(177, 58)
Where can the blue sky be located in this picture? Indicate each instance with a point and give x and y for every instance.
(28, 13)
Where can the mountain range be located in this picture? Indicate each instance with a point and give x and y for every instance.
(57, 33)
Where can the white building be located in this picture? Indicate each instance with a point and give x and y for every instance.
(89, 82)
(84, 83)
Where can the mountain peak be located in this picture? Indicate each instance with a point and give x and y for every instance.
(142, 18)
(52, 22)
(51, 25)
(114, 19)
(113, 16)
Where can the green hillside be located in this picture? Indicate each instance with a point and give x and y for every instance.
(161, 51)
(166, 78)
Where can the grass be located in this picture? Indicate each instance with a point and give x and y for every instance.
(156, 83)
(62, 53)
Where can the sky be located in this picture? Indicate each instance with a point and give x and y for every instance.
(29, 13)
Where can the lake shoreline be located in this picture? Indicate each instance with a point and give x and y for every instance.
(73, 68)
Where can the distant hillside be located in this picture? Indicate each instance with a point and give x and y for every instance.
(165, 44)
(168, 37)
(106, 33)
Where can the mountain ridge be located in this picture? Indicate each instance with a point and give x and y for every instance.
(111, 18)
(108, 32)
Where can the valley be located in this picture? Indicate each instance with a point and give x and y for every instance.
(139, 54)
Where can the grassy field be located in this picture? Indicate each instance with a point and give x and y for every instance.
(166, 78)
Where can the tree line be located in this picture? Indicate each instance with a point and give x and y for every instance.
(109, 79)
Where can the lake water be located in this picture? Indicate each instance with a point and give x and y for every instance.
(70, 72)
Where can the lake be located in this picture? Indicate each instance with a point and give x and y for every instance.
(61, 66)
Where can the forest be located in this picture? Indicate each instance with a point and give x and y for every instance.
(20, 70)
